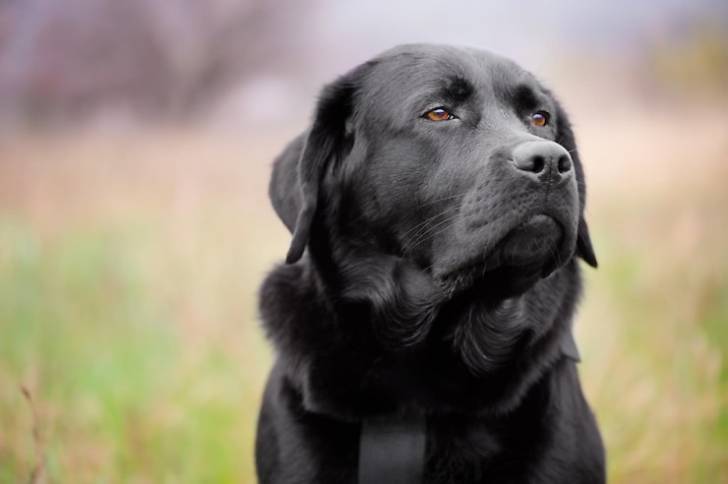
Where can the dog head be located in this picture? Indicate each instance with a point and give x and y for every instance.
(457, 161)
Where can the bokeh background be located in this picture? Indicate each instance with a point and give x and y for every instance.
(136, 139)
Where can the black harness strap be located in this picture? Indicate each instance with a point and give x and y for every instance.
(392, 447)
(392, 450)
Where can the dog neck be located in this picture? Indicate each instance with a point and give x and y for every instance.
(387, 343)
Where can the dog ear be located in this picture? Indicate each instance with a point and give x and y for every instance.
(283, 190)
(565, 137)
(584, 247)
(297, 173)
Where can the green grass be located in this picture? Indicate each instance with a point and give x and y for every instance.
(655, 332)
(121, 395)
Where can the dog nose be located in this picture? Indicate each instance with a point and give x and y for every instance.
(537, 157)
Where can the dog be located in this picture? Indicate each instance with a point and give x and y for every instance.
(437, 210)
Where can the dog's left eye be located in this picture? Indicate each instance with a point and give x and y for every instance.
(439, 114)
(540, 118)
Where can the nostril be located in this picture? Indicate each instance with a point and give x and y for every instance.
(564, 164)
(532, 164)
(537, 164)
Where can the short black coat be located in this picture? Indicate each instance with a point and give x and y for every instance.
(366, 322)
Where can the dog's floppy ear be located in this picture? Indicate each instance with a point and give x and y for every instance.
(283, 190)
(297, 173)
(565, 137)
(584, 247)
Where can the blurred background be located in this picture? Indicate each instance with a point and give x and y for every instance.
(136, 139)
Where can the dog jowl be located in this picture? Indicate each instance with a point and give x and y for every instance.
(437, 209)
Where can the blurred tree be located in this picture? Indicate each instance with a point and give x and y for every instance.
(72, 58)
(686, 57)
(694, 65)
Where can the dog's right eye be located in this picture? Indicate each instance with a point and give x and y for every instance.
(439, 114)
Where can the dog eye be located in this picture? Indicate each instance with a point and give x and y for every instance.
(439, 114)
(540, 118)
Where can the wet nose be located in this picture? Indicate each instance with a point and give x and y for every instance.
(536, 158)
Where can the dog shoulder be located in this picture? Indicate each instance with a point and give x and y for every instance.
(294, 313)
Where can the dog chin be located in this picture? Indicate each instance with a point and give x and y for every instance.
(530, 244)
(527, 253)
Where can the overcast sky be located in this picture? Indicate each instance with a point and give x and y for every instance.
(528, 31)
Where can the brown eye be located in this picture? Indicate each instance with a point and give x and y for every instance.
(439, 114)
(540, 118)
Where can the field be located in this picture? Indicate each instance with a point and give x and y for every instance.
(130, 350)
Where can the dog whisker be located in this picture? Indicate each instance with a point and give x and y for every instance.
(430, 231)
(424, 228)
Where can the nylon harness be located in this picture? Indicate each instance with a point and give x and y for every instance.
(392, 447)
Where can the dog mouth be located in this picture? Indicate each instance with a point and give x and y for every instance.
(532, 242)
(526, 253)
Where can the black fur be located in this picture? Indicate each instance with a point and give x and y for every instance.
(428, 275)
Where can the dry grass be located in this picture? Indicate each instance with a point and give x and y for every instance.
(129, 267)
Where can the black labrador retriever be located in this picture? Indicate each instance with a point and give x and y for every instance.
(437, 211)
